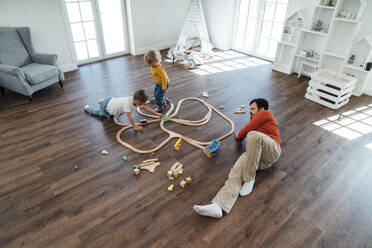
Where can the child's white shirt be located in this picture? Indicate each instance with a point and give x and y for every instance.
(120, 105)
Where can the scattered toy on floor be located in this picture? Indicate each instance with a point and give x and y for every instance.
(170, 188)
(136, 170)
(150, 164)
(180, 171)
(183, 183)
(212, 149)
(239, 112)
(104, 152)
(173, 172)
(242, 106)
(188, 180)
(76, 167)
(178, 144)
(175, 175)
(125, 158)
(222, 107)
(205, 94)
(144, 121)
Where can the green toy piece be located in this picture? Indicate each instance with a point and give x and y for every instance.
(104, 152)
(136, 166)
(170, 188)
(165, 118)
(76, 167)
(125, 158)
(180, 171)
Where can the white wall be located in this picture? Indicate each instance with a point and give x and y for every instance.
(219, 16)
(155, 24)
(45, 19)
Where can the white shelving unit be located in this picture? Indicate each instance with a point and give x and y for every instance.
(362, 50)
(287, 46)
(327, 43)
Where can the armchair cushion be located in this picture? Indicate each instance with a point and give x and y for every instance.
(36, 73)
(44, 58)
(12, 49)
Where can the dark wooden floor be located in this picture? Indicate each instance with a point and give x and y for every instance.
(317, 195)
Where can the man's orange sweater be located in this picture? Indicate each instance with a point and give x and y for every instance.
(263, 122)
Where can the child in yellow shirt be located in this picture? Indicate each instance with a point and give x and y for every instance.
(153, 59)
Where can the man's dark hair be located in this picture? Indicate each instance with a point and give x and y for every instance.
(140, 95)
(261, 103)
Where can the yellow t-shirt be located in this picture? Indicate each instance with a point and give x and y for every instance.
(160, 76)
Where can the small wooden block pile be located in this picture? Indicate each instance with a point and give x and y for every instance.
(174, 172)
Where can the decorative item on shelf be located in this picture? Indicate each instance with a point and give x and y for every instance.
(368, 66)
(331, 3)
(362, 64)
(342, 14)
(318, 26)
(351, 59)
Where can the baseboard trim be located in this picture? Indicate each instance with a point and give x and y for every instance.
(368, 91)
(143, 50)
(68, 67)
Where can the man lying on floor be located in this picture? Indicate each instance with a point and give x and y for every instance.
(263, 148)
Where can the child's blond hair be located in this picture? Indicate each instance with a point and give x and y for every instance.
(152, 57)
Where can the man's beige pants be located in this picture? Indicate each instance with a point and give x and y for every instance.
(261, 153)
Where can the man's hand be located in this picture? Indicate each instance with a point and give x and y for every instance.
(236, 137)
(137, 128)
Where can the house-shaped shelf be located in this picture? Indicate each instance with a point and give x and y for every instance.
(292, 28)
(362, 50)
(351, 9)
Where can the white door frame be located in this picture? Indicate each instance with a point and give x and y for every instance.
(99, 33)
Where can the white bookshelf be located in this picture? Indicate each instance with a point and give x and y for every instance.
(288, 44)
(362, 51)
(330, 37)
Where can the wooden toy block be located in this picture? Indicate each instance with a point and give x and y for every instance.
(136, 171)
(175, 174)
(183, 183)
(222, 107)
(188, 180)
(239, 112)
(242, 106)
(169, 173)
(205, 94)
(150, 167)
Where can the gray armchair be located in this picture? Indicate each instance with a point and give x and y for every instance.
(22, 69)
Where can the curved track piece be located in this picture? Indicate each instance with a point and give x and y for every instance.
(171, 134)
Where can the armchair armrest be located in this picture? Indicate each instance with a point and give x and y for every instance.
(44, 58)
(12, 70)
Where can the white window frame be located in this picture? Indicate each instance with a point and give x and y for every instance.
(99, 33)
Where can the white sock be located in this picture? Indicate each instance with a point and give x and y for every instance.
(246, 188)
(211, 210)
(86, 107)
